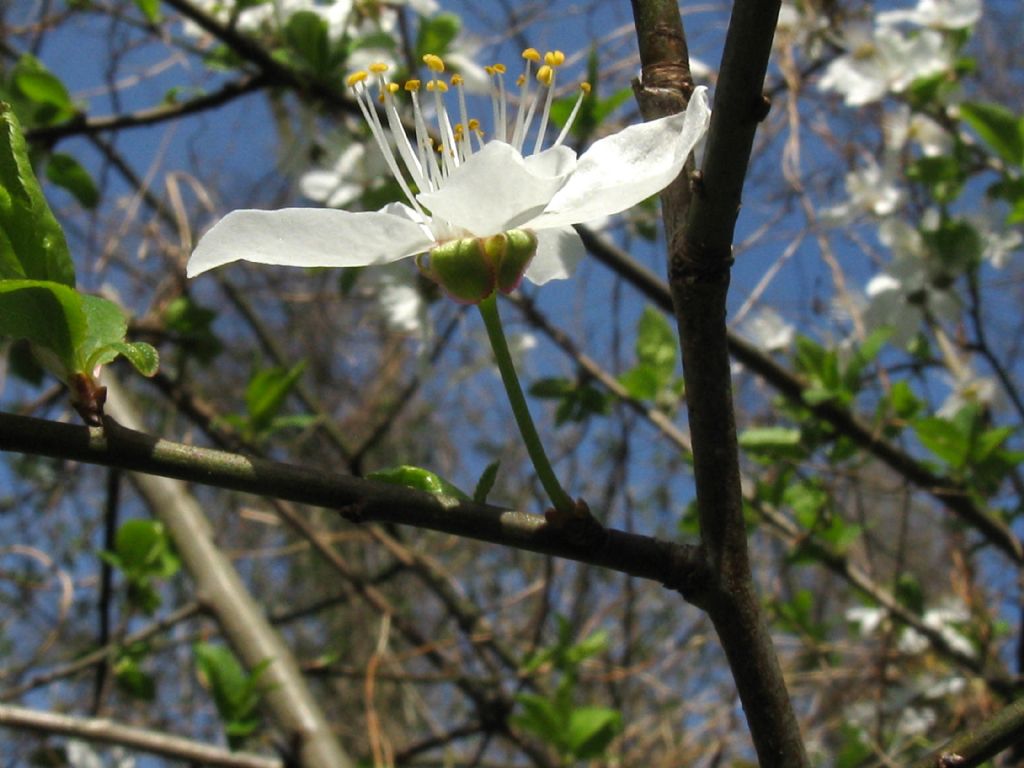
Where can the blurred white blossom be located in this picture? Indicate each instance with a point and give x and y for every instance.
(901, 126)
(942, 619)
(914, 287)
(937, 14)
(81, 755)
(882, 60)
(768, 330)
(359, 167)
(967, 388)
(871, 189)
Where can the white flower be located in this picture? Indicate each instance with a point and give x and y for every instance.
(913, 289)
(768, 330)
(358, 168)
(997, 242)
(400, 302)
(883, 61)
(942, 620)
(901, 126)
(867, 619)
(937, 14)
(968, 389)
(469, 186)
(81, 755)
(871, 189)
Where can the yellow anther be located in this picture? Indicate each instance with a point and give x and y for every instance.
(531, 54)
(520, 80)
(499, 68)
(546, 75)
(457, 80)
(434, 62)
(585, 87)
(356, 77)
(379, 67)
(437, 85)
(554, 58)
(392, 87)
(412, 85)
(474, 124)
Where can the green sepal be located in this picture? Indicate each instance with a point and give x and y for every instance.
(520, 248)
(464, 268)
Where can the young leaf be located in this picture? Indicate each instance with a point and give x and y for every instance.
(32, 244)
(64, 171)
(486, 482)
(590, 730)
(436, 34)
(266, 393)
(418, 478)
(33, 81)
(998, 127)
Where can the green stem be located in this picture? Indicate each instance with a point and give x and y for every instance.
(496, 334)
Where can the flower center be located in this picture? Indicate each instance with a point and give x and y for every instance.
(440, 145)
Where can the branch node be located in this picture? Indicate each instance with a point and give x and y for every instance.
(580, 528)
(762, 106)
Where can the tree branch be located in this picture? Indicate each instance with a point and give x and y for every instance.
(677, 566)
(981, 743)
(699, 227)
(951, 494)
(110, 732)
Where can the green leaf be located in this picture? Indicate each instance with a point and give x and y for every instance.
(436, 34)
(307, 35)
(540, 717)
(36, 83)
(236, 693)
(133, 680)
(944, 439)
(192, 325)
(418, 478)
(150, 9)
(998, 127)
(486, 482)
(64, 171)
(590, 730)
(50, 316)
(142, 548)
(143, 357)
(104, 340)
(641, 382)
(656, 344)
(577, 402)
(266, 394)
(32, 243)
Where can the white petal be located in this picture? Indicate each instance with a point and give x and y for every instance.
(496, 189)
(558, 252)
(620, 170)
(308, 237)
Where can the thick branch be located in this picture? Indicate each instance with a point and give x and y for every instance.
(699, 229)
(109, 732)
(677, 566)
(981, 743)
